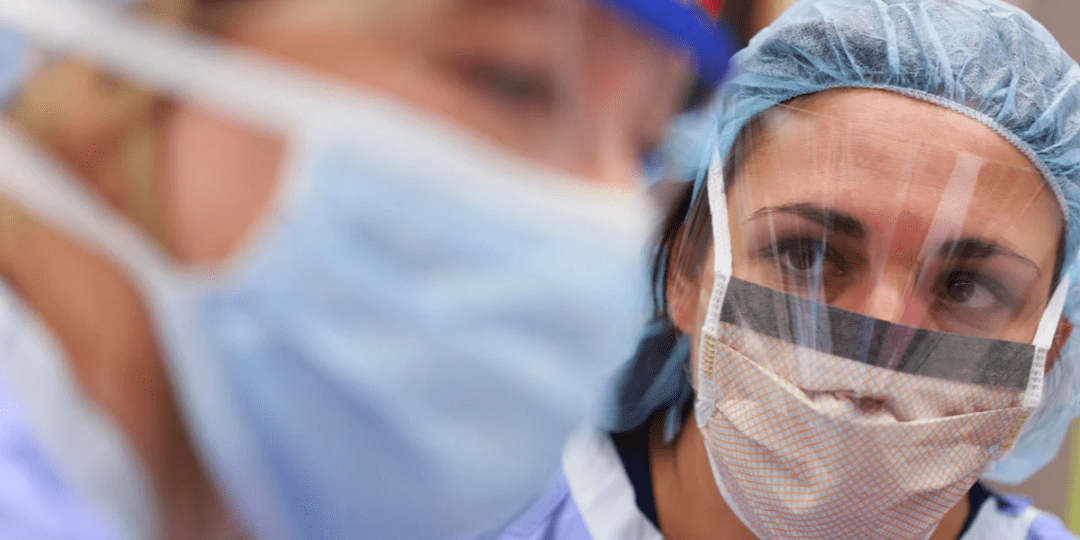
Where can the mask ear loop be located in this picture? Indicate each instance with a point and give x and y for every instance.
(1044, 338)
(714, 185)
(722, 264)
(705, 409)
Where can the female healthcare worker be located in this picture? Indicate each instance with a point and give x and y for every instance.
(857, 303)
(353, 267)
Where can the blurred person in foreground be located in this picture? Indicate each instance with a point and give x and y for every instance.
(323, 268)
(859, 299)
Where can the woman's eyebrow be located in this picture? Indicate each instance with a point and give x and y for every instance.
(831, 220)
(978, 248)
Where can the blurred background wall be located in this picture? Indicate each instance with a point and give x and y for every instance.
(1056, 488)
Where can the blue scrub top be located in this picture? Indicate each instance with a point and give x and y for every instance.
(593, 498)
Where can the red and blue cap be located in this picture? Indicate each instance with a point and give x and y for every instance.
(685, 24)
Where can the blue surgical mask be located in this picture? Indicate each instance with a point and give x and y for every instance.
(401, 347)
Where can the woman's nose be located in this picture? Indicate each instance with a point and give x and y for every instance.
(890, 299)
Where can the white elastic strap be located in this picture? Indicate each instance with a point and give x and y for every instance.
(252, 88)
(718, 207)
(704, 409)
(721, 242)
(1044, 339)
(45, 189)
(1044, 335)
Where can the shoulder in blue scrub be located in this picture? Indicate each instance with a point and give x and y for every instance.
(604, 492)
(35, 502)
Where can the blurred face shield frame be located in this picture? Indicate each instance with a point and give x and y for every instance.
(825, 422)
(686, 25)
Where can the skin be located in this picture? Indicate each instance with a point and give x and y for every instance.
(885, 261)
(588, 96)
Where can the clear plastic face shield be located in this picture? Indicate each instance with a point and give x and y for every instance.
(384, 245)
(875, 317)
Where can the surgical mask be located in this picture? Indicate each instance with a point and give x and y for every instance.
(820, 422)
(419, 320)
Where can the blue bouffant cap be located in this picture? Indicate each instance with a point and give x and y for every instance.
(982, 58)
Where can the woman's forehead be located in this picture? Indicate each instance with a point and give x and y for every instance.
(849, 133)
(884, 154)
(882, 114)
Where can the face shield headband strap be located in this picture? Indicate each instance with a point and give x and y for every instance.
(722, 268)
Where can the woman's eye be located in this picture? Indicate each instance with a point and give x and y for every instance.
(802, 256)
(967, 290)
(809, 267)
(519, 86)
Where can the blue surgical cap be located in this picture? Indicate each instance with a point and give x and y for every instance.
(982, 58)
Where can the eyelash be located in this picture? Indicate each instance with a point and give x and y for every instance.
(1003, 298)
(781, 251)
(783, 248)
